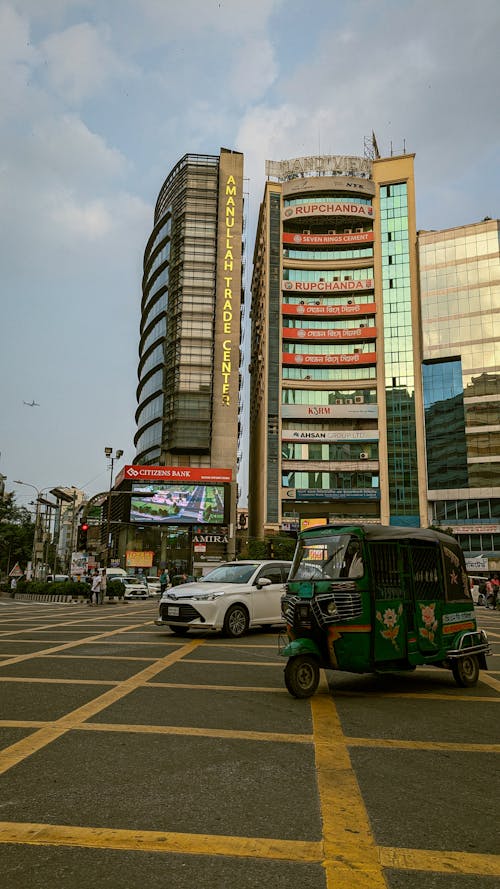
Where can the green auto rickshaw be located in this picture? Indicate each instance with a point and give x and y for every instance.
(371, 598)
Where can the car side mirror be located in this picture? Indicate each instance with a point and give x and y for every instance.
(263, 581)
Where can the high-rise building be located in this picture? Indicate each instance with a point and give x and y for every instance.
(336, 430)
(460, 297)
(189, 352)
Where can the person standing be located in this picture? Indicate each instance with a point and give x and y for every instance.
(164, 580)
(96, 589)
(102, 591)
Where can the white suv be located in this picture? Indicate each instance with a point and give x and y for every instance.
(232, 598)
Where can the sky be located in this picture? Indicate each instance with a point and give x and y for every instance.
(99, 99)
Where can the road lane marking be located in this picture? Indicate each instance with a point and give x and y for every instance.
(438, 861)
(351, 858)
(166, 842)
(14, 754)
(161, 841)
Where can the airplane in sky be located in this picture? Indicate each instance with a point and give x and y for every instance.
(31, 403)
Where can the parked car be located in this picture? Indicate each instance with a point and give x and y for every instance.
(154, 586)
(478, 589)
(232, 598)
(57, 578)
(135, 587)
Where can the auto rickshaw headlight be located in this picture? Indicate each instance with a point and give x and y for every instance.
(331, 608)
(304, 612)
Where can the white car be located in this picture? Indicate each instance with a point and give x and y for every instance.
(135, 587)
(232, 598)
(154, 586)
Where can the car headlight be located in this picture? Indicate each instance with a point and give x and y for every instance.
(206, 597)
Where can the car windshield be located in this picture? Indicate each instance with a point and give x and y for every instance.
(231, 573)
(135, 580)
(337, 555)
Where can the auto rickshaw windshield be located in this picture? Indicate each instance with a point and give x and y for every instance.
(329, 557)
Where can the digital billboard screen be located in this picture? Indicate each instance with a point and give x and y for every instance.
(178, 504)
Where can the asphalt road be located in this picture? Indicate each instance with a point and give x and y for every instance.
(133, 759)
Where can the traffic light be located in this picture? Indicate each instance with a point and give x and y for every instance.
(82, 536)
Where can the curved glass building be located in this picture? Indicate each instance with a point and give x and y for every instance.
(188, 373)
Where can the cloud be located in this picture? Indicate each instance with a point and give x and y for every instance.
(80, 61)
(254, 69)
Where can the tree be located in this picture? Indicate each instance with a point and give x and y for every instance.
(16, 534)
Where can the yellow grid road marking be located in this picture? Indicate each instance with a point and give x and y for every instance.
(14, 754)
(250, 847)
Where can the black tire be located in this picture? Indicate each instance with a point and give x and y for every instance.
(466, 671)
(179, 631)
(236, 621)
(302, 675)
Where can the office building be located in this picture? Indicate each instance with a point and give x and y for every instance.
(189, 352)
(336, 429)
(460, 298)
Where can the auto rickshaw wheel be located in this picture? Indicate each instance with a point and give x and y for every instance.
(466, 671)
(302, 675)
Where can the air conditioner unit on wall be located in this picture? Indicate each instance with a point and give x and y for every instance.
(331, 231)
(363, 456)
(339, 401)
(349, 401)
(306, 231)
(359, 399)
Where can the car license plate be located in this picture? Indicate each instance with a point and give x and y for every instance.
(173, 611)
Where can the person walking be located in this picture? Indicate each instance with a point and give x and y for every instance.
(96, 589)
(164, 580)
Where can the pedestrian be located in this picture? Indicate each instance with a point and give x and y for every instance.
(164, 580)
(495, 584)
(96, 589)
(102, 591)
(13, 584)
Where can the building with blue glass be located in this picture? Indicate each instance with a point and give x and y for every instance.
(460, 305)
(336, 411)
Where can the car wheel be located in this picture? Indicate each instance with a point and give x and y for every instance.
(466, 671)
(302, 675)
(481, 599)
(179, 631)
(236, 621)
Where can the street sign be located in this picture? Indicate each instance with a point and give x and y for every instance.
(16, 571)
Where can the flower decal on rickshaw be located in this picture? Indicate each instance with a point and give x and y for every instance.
(390, 621)
(428, 631)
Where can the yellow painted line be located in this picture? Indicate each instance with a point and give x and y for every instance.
(206, 687)
(14, 754)
(49, 681)
(231, 734)
(160, 841)
(99, 637)
(396, 743)
(200, 660)
(351, 858)
(441, 862)
(490, 680)
(424, 696)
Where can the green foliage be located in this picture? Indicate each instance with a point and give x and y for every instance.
(66, 588)
(16, 534)
(115, 588)
(280, 546)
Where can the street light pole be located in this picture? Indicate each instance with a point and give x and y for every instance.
(37, 517)
(111, 457)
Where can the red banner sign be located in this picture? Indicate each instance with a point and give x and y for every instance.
(174, 474)
(329, 333)
(323, 360)
(345, 238)
(319, 309)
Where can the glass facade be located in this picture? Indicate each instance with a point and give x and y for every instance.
(398, 347)
(460, 295)
(178, 308)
